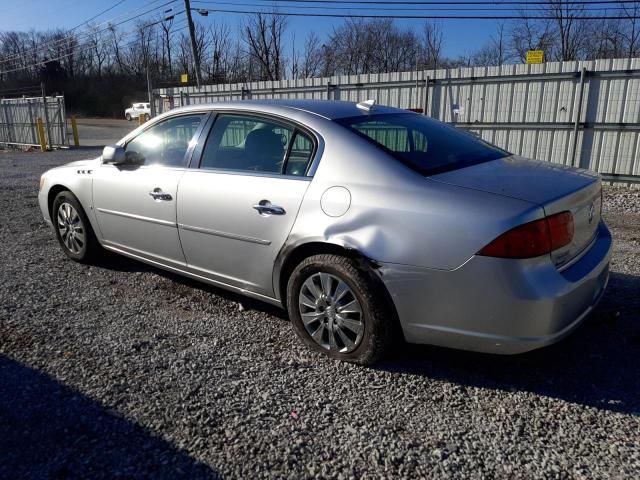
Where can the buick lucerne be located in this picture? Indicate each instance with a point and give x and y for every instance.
(366, 223)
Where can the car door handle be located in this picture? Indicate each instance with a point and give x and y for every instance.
(264, 207)
(158, 194)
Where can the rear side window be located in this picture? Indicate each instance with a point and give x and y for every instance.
(424, 144)
(250, 143)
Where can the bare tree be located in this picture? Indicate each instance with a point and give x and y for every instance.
(495, 51)
(631, 28)
(373, 46)
(528, 34)
(432, 41)
(311, 61)
(263, 37)
(570, 28)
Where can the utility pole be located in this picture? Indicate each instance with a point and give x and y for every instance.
(194, 49)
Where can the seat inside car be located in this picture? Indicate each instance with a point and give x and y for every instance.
(263, 150)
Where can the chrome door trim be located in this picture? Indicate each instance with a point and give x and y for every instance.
(232, 236)
(138, 217)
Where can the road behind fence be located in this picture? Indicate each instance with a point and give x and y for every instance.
(18, 121)
(585, 114)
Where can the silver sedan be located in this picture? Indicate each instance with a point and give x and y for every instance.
(366, 223)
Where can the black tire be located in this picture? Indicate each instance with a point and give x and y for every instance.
(377, 316)
(128, 117)
(146, 117)
(90, 248)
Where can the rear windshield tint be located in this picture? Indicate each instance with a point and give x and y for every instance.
(423, 144)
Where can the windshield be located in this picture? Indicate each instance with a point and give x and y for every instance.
(426, 145)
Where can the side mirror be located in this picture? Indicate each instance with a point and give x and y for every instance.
(114, 155)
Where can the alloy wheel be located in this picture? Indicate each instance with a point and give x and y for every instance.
(71, 228)
(331, 313)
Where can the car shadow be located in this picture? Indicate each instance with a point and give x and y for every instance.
(120, 263)
(48, 430)
(595, 366)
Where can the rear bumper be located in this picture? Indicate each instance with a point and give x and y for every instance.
(499, 305)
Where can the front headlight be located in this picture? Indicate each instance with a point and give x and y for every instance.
(41, 183)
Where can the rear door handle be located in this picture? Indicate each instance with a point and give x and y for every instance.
(158, 194)
(264, 207)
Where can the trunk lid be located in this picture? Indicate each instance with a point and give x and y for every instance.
(555, 188)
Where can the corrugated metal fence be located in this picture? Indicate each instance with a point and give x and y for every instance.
(585, 114)
(18, 117)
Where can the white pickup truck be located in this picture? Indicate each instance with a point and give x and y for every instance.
(138, 109)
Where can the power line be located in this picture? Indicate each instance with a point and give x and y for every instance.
(432, 2)
(99, 14)
(419, 17)
(463, 9)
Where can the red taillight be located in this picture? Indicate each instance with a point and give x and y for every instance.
(560, 229)
(533, 239)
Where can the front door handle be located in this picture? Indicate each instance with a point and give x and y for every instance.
(158, 194)
(264, 207)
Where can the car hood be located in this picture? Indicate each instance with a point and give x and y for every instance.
(516, 177)
(90, 162)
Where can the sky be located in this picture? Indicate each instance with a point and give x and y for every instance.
(461, 37)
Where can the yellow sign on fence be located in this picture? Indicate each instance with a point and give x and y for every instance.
(535, 56)
(184, 78)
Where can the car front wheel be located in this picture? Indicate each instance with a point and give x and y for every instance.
(72, 227)
(128, 117)
(338, 309)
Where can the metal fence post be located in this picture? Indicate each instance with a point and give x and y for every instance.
(32, 123)
(426, 97)
(46, 113)
(578, 115)
(7, 122)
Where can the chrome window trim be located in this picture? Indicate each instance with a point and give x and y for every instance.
(251, 173)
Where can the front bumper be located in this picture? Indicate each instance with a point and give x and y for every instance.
(44, 207)
(498, 305)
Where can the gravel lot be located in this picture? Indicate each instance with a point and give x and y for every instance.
(123, 370)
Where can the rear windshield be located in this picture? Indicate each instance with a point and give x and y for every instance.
(423, 144)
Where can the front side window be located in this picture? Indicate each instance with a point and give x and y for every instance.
(165, 143)
(425, 145)
(249, 143)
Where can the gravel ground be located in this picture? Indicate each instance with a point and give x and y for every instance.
(122, 370)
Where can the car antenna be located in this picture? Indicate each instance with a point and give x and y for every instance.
(367, 105)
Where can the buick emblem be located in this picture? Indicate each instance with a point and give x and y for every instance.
(592, 210)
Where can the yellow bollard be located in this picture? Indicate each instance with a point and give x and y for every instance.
(140, 119)
(74, 129)
(41, 137)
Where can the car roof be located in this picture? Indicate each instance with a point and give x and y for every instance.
(329, 109)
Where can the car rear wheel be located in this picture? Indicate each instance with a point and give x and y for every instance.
(146, 117)
(337, 309)
(72, 227)
(128, 117)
